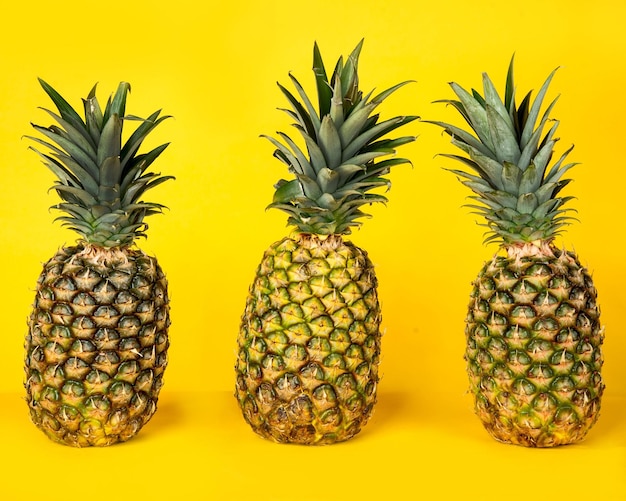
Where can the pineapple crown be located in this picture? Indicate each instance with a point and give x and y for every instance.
(509, 155)
(344, 145)
(100, 179)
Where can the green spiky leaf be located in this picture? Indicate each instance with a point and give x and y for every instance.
(508, 158)
(99, 178)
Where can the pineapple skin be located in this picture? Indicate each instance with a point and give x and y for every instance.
(534, 348)
(97, 345)
(309, 343)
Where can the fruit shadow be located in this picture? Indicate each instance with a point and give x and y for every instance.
(609, 427)
(169, 414)
(404, 409)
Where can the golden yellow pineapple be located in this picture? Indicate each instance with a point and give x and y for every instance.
(533, 326)
(309, 344)
(97, 343)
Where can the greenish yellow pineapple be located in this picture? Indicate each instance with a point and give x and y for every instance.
(98, 333)
(533, 326)
(309, 344)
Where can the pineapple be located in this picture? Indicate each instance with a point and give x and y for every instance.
(533, 327)
(309, 343)
(97, 342)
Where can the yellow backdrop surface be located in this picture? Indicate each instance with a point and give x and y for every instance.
(214, 67)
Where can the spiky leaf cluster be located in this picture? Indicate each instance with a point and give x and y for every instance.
(344, 149)
(101, 179)
(509, 157)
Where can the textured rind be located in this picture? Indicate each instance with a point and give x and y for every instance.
(309, 343)
(97, 345)
(534, 349)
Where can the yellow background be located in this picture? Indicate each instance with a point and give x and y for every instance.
(214, 66)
